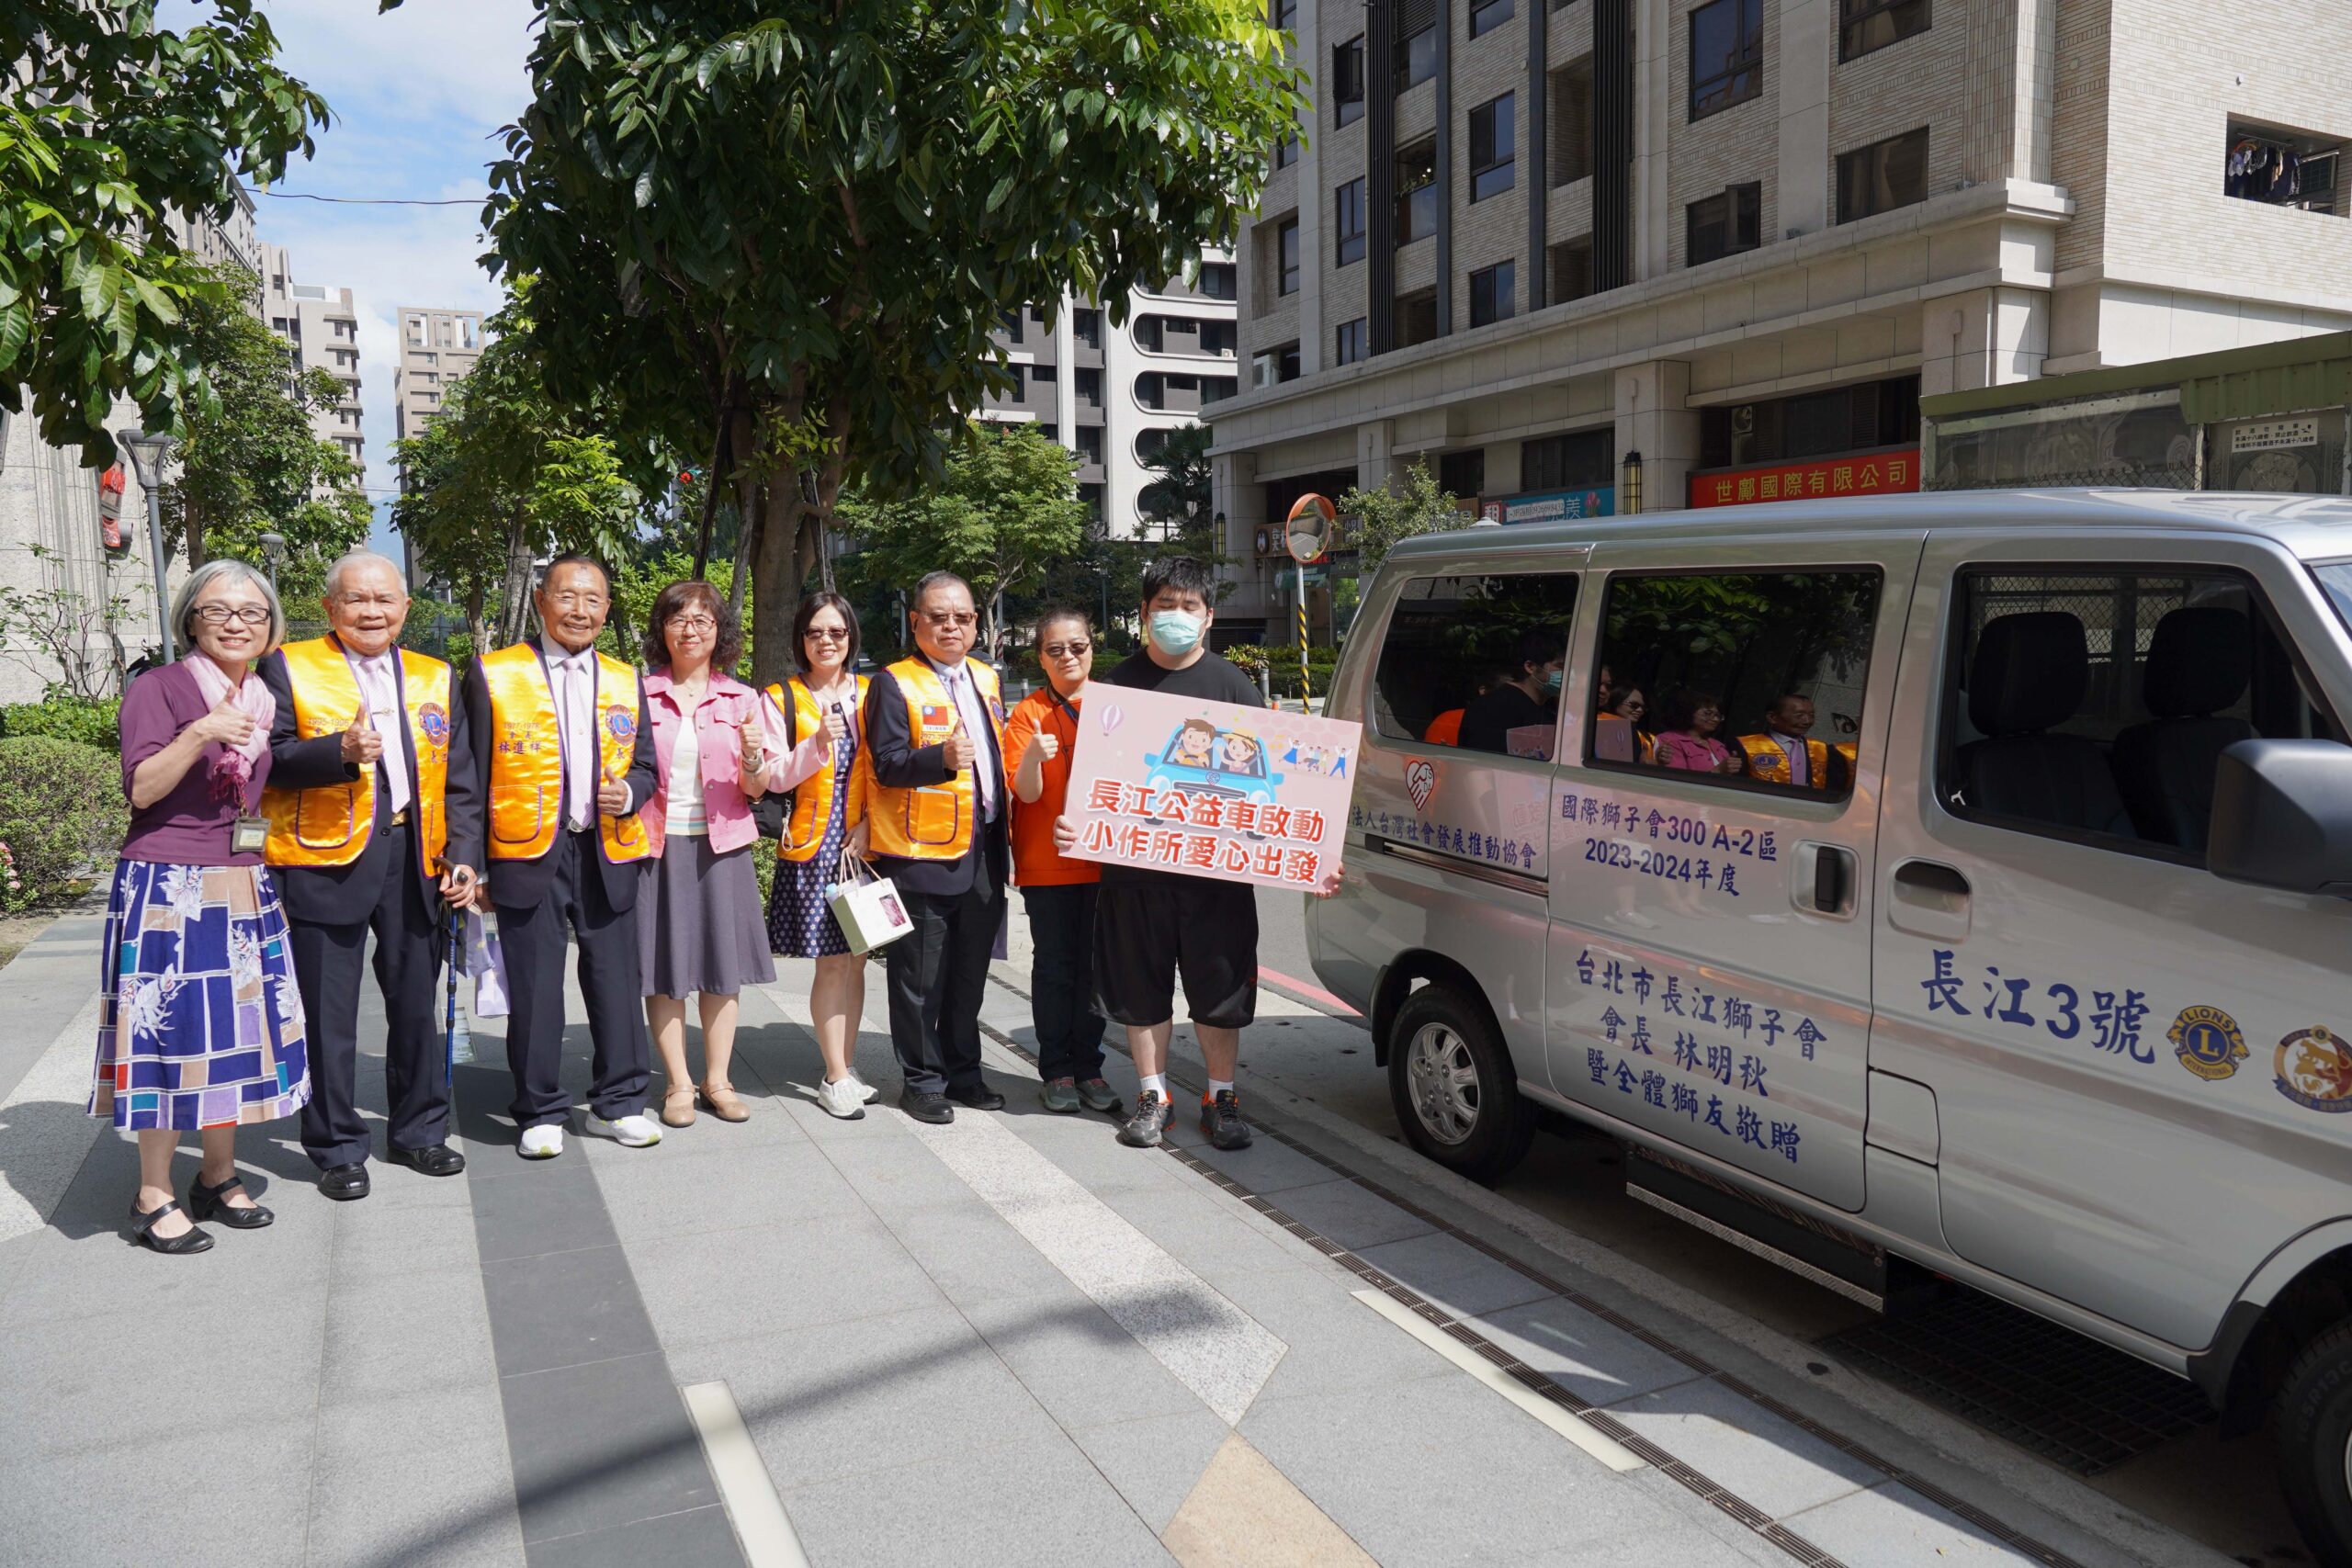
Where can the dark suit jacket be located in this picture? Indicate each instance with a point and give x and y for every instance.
(519, 883)
(345, 894)
(898, 762)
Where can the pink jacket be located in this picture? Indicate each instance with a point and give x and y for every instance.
(1679, 749)
(727, 705)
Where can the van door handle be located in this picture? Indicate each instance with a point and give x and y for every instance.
(1929, 898)
(1825, 884)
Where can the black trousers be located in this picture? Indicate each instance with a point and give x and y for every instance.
(532, 941)
(1061, 980)
(329, 962)
(936, 974)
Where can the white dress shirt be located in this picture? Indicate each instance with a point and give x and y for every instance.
(572, 677)
(966, 694)
(379, 688)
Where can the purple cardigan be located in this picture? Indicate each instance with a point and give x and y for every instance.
(189, 826)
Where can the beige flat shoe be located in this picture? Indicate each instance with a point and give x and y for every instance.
(724, 1103)
(678, 1107)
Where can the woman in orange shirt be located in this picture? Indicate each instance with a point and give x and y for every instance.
(1058, 892)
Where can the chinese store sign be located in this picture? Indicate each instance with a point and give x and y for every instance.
(1873, 473)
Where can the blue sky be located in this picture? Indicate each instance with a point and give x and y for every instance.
(418, 95)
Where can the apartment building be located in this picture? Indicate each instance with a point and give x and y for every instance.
(230, 241)
(1112, 393)
(436, 347)
(323, 328)
(1617, 255)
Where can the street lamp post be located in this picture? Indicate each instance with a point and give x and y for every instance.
(272, 550)
(149, 452)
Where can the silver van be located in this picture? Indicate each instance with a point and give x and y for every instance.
(1955, 878)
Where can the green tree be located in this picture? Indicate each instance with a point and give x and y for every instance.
(109, 120)
(1178, 497)
(1007, 507)
(1376, 519)
(789, 233)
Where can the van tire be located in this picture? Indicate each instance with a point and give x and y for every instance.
(2314, 1417)
(1482, 1128)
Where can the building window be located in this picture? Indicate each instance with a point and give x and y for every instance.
(1009, 322)
(1570, 118)
(1349, 205)
(1416, 59)
(1493, 147)
(1286, 153)
(1090, 444)
(1086, 325)
(1090, 387)
(1463, 474)
(1882, 176)
(1417, 191)
(2284, 169)
(1041, 376)
(1416, 318)
(1274, 366)
(416, 332)
(1570, 264)
(1213, 388)
(1493, 293)
(1347, 81)
(1811, 425)
(1218, 280)
(1724, 225)
(1287, 255)
(1576, 460)
(468, 332)
(1726, 55)
(1351, 342)
(1866, 25)
(1286, 16)
(1486, 15)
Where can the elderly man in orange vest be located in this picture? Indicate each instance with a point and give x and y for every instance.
(564, 749)
(360, 799)
(937, 812)
(1787, 754)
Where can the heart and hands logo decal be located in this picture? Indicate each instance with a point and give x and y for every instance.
(1420, 781)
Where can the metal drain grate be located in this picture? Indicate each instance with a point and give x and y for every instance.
(2042, 1387)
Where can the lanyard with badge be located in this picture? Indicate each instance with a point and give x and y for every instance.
(250, 835)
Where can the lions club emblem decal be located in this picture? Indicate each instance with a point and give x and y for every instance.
(1420, 781)
(2315, 1070)
(620, 724)
(435, 722)
(2207, 1041)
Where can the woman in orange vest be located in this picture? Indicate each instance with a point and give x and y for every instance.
(821, 708)
(1057, 892)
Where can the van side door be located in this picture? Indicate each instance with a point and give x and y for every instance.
(1713, 848)
(2142, 1073)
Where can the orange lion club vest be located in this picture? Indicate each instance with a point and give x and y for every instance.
(933, 822)
(1766, 761)
(526, 755)
(812, 798)
(329, 826)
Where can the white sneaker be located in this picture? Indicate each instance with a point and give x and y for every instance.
(543, 1141)
(636, 1130)
(845, 1098)
(868, 1093)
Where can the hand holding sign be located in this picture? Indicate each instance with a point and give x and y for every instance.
(361, 744)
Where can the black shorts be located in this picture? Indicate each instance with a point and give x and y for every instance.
(1146, 932)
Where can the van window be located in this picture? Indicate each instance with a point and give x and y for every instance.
(1751, 680)
(1473, 662)
(2094, 702)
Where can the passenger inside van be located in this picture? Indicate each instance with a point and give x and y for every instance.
(1686, 736)
(1785, 753)
(1446, 729)
(1529, 697)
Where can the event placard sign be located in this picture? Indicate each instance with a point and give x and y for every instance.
(1211, 789)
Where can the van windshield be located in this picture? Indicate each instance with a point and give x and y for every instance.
(2336, 576)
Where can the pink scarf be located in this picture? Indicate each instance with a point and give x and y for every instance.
(235, 767)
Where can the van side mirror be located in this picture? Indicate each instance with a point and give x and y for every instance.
(2282, 815)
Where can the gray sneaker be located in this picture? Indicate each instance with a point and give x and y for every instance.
(1142, 1130)
(1096, 1095)
(1058, 1094)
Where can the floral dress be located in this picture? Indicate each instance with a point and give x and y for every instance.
(799, 923)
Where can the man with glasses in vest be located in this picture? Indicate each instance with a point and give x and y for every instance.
(564, 749)
(361, 802)
(938, 813)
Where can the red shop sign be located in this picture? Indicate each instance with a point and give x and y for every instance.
(1875, 473)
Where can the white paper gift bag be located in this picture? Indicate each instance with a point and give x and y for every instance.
(866, 907)
(487, 965)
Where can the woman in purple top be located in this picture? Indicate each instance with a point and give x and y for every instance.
(201, 1025)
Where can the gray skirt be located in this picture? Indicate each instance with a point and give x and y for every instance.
(698, 925)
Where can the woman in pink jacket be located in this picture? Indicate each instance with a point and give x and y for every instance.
(1686, 736)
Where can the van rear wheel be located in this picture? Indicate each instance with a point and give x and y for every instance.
(1452, 1086)
(2315, 1416)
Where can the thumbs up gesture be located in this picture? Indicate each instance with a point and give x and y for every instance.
(361, 744)
(1046, 744)
(960, 749)
(228, 724)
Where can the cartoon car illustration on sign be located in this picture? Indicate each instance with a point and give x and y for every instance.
(1200, 758)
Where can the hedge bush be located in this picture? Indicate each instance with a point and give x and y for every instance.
(1283, 663)
(62, 816)
(91, 721)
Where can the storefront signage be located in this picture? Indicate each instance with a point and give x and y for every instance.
(1553, 505)
(1873, 473)
(2275, 435)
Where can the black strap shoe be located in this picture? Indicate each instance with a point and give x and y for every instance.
(434, 1159)
(343, 1182)
(143, 1230)
(978, 1096)
(931, 1108)
(206, 1203)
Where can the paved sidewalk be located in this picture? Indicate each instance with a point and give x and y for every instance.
(1006, 1340)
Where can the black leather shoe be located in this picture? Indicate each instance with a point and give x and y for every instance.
(343, 1182)
(434, 1159)
(931, 1108)
(142, 1228)
(978, 1096)
(207, 1203)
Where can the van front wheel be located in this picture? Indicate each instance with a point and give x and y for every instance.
(1452, 1086)
(2314, 1414)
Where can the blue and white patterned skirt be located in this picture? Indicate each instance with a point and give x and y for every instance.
(201, 1024)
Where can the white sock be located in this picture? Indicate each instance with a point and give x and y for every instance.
(1155, 1083)
(1219, 1085)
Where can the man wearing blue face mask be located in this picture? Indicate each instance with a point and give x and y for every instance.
(1530, 697)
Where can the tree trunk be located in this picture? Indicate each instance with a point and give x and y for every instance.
(748, 513)
(515, 604)
(477, 627)
(193, 522)
(779, 569)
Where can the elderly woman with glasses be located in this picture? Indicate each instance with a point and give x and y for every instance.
(700, 932)
(201, 1028)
